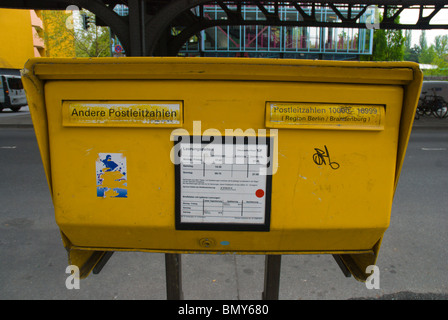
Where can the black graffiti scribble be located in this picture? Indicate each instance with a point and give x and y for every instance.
(319, 158)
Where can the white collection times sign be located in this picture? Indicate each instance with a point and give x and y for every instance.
(223, 186)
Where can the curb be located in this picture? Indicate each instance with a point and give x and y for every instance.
(429, 128)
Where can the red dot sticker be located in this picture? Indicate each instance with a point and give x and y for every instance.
(259, 193)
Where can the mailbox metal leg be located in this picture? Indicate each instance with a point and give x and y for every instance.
(104, 259)
(173, 268)
(272, 277)
(342, 265)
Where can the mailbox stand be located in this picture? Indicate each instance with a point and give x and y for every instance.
(173, 273)
(173, 268)
(271, 277)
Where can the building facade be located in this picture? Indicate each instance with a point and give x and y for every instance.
(17, 40)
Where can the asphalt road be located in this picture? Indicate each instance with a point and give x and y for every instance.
(413, 259)
(8, 112)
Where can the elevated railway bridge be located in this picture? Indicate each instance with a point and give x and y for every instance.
(162, 27)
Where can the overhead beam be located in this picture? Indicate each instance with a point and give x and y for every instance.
(137, 27)
(141, 34)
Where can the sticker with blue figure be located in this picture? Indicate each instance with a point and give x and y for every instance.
(111, 176)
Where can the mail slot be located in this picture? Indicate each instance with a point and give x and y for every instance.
(247, 156)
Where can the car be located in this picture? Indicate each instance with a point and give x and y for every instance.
(12, 94)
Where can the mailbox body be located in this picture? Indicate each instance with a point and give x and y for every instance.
(335, 134)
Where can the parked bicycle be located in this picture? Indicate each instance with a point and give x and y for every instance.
(432, 105)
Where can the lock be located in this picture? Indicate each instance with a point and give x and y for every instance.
(206, 242)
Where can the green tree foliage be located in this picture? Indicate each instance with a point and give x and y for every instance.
(437, 54)
(391, 45)
(65, 35)
(92, 41)
(422, 40)
(441, 45)
(410, 53)
(57, 37)
(388, 45)
(427, 54)
(434, 54)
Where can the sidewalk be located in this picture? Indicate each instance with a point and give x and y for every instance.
(430, 122)
(22, 119)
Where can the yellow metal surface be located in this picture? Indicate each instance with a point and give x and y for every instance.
(16, 38)
(334, 182)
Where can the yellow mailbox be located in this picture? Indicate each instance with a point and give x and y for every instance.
(249, 156)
